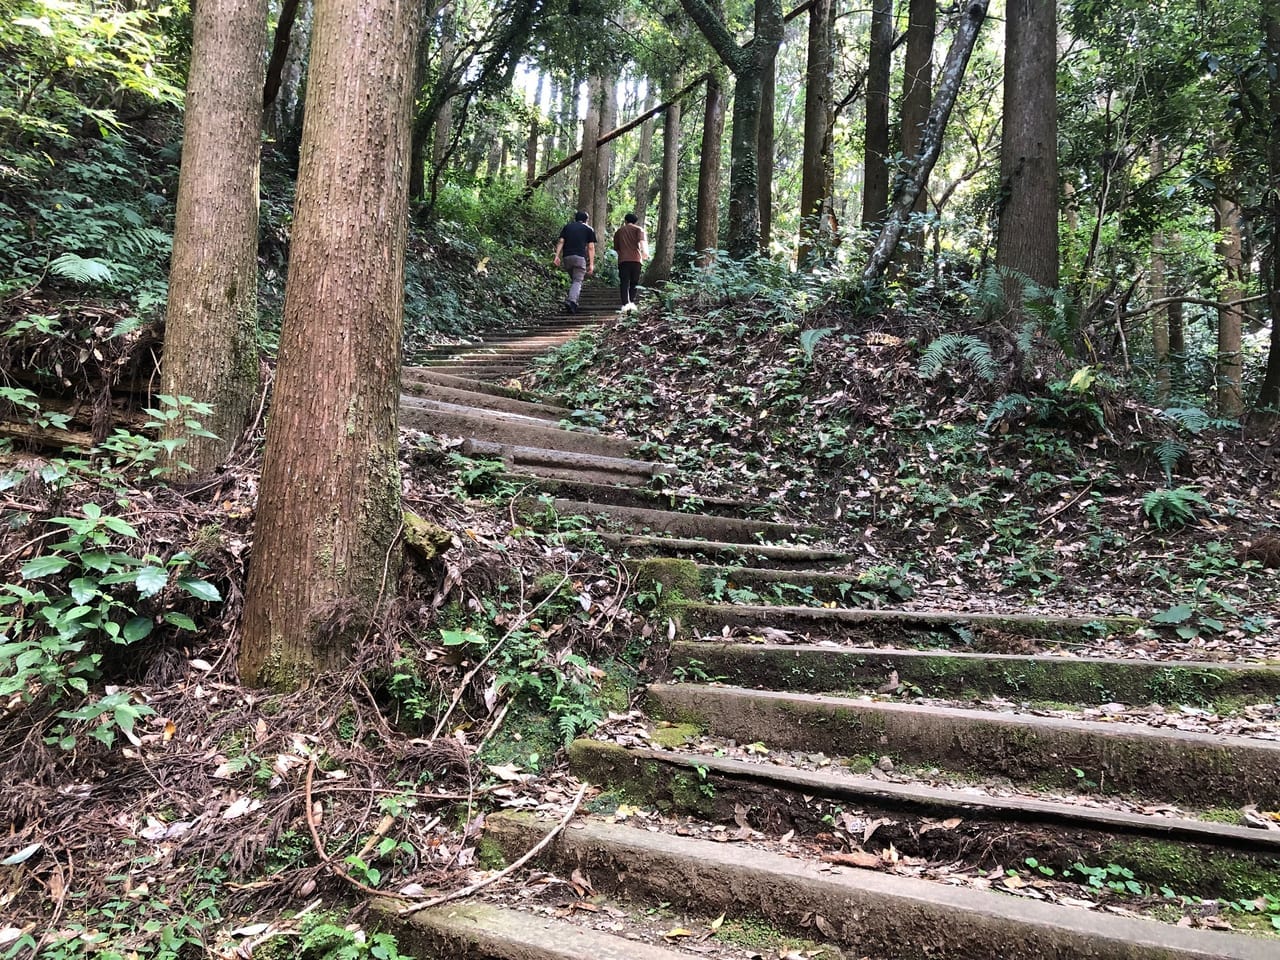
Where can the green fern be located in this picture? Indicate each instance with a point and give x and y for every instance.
(79, 269)
(1191, 419)
(953, 347)
(1168, 452)
(1172, 508)
(139, 242)
(1010, 406)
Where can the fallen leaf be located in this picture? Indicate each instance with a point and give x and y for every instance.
(854, 858)
(716, 923)
(677, 932)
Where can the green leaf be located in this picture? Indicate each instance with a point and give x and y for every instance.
(116, 525)
(96, 560)
(180, 620)
(151, 580)
(137, 628)
(200, 589)
(1176, 614)
(456, 638)
(83, 589)
(44, 566)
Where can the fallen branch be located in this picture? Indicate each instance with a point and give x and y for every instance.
(320, 851)
(506, 871)
(1197, 301)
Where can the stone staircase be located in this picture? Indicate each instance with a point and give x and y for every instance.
(849, 782)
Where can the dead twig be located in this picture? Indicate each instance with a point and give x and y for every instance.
(320, 851)
(506, 871)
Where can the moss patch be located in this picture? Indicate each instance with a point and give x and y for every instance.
(1192, 871)
(672, 736)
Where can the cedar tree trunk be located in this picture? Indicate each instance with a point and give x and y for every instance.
(707, 229)
(664, 249)
(875, 179)
(817, 165)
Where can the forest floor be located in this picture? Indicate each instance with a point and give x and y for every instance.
(958, 483)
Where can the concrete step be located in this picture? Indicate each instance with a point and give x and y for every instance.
(676, 524)
(868, 913)
(604, 493)
(822, 585)
(470, 383)
(811, 668)
(779, 555)
(485, 401)
(899, 626)
(984, 833)
(421, 415)
(485, 931)
(1120, 757)
(546, 461)
(487, 371)
(428, 402)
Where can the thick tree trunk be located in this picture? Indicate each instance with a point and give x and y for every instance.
(875, 180)
(589, 167)
(764, 150)
(664, 249)
(913, 183)
(819, 121)
(1269, 392)
(211, 322)
(644, 162)
(1230, 365)
(917, 85)
(1027, 240)
(604, 154)
(707, 228)
(329, 498)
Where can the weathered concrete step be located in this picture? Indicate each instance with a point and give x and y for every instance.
(483, 931)
(1119, 757)
(672, 779)
(867, 912)
(433, 375)
(822, 585)
(485, 401)
(754, 552)
(597, 493)
(887, 626)
(677, 524)
(478, 425)
(1082, 680)
(488, 371)
(538, 459)
(429, 402)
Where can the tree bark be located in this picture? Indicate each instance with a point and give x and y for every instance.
(644, 162)
(1230, 365)
(1269, 391)
(819, 119)
(279, 53)
(589, 168)
(664, 249)
(211, 321)
(531, 145)
(917, 84)
(912, 183)
(549, 140)
(1159, 290)
(329, 498)
(1027, 232)
(875, 180)
(748, 64)
(764, 150)
(604, 152)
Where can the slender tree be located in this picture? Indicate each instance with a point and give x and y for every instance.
(707, 227)
(748, 63)
(535, 122)
(917, 83)
(664, 247)
(604, 152)
(1231, 315)
(589, 167)
(211, 322)
(765, 150)
(644, 161)
(329, 499)
(819, 122)
(875, 178)
(1027, 241)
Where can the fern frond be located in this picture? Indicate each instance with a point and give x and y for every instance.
(79, 269)
(951, 347)
(1168, 452)
(1007, 406)
(1191, 419)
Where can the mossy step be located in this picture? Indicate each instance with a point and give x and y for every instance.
(677, 524)
(525, 457)
(1195, 857)
(484, 931)
(434, 375)
(431, 402)
(779, 554)
(478, 425)
(888, 626)
(1044, 751)
(822, 585)
(1084, 680)
(485, 401)
(868, 913)
(665, 499)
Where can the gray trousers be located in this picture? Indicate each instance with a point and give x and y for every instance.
(577, 269)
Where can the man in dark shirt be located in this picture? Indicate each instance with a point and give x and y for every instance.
(632, 249)
(576, 248)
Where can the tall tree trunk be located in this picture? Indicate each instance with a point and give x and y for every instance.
(912, 184)
(1269, 392)
(707, 228)
(589, 167)
(604, 153)
(1230, 365)
(493, 162)
(917, 84)
(1027, 240)
(748, 64)
(279, 54)
(817, 165)
(329, 499)
(444, 116)
(644, 162)
(531, 145)
(764, 149)
(664, 249)
(549, 139)
(1159, 289)
(211, 321)
(875, 180)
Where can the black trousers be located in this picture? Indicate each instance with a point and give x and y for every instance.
(629, 276)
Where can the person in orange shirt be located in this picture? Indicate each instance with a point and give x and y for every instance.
(633, 250)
